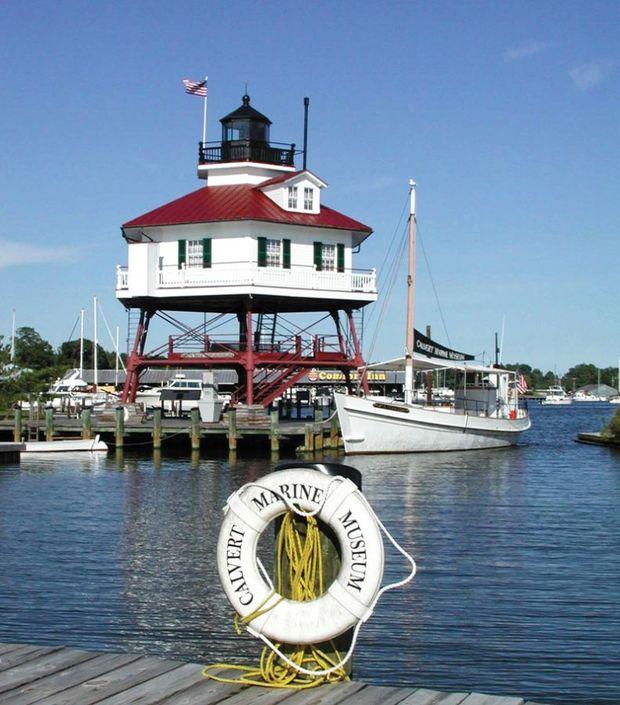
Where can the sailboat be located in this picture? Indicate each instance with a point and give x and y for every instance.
(485, 411)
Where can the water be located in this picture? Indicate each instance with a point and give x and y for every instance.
(518, 590)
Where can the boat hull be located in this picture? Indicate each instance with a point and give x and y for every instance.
(379, 426)
(65, 446)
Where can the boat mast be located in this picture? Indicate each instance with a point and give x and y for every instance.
(410, 300)
(81, 343)
(95, 372)
(12, 357)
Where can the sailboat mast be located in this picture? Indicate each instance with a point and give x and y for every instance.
(410, 298)
(12, 358)
(81, 343)
(95, 367)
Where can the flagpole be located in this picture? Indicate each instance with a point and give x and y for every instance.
(204, 117)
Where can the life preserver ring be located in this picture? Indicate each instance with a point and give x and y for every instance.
(337, 502)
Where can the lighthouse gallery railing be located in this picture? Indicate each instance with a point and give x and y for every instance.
(294, 278)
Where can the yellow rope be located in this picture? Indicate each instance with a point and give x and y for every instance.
(305, 578)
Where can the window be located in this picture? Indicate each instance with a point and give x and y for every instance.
(194, 253)
(292, 196)
(308, 199)
(273, 253)
(328, 257)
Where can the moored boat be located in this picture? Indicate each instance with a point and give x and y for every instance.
(485, 411)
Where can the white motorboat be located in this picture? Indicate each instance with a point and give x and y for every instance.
(483, 413)
(556, 396)
(581, 396)
(66, 445)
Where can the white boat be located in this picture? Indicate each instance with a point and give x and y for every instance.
(484, 412)
(556, 396)
(581, 396)
(66, 445)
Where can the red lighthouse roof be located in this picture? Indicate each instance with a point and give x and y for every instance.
(213, 204)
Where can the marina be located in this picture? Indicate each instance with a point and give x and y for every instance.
(516, 593)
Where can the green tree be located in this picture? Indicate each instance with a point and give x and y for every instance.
(69, 355)
(31, 351)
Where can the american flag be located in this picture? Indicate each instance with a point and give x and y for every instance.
(195, 87)
(521, 384)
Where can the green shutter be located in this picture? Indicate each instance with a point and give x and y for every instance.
(318, 256)
(262, 251)
(286, 254)
(182, 249)
(340, 257)
(206, 251)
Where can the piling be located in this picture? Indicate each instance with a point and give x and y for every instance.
(49, 423)
(334, 432)
(17, 430)
(195, 431)
(309, 438)
(120, 426)
(318, 429)
(232, 430)
(87, 430)
(157, 429)
(274, 433)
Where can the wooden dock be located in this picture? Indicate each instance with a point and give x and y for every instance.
(156, 431)
(55, 675)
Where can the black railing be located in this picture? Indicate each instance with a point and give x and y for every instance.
(246, 151)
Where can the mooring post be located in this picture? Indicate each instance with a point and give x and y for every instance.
(86, 424)
(309, 438)
(334, 432)
(17, 429)
(49, 423)
(318, 428)
(156, 429)
(195, 432)
(275, 431)
(330, 556)
(120, 426)
(232, 430)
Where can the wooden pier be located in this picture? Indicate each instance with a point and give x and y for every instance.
(156, 431)
(55, 675)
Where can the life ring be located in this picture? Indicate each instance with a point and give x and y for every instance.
(337, 502)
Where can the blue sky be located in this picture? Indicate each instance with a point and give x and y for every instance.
(506, 114)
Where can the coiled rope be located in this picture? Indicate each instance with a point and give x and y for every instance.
(303, 666)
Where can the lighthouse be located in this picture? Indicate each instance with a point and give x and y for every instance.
(257, 247)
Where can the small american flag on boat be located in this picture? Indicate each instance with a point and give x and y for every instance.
(521, 384)
(195, 87)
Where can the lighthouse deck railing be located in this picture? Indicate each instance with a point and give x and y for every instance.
(251, 275)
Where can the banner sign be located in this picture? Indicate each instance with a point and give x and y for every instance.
(425, 346)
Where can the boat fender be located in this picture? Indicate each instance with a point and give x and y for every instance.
(348, 601)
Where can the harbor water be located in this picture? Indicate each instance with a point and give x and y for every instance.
(518, 589)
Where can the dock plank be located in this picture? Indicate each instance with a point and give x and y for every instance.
(207, 692)
(23, 655)
(55, 683)
(256, 695)
(486, 699)
(117, 681)
(159, 688)
(332, 694)
(424, 696)
(373, 694)
(5, 648)
(42, 666)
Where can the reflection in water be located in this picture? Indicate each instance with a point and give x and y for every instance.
(518, 588)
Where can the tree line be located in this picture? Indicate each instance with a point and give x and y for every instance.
(577, 376)
(36, 363)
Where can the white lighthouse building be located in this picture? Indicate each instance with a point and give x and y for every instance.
(256, 243)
